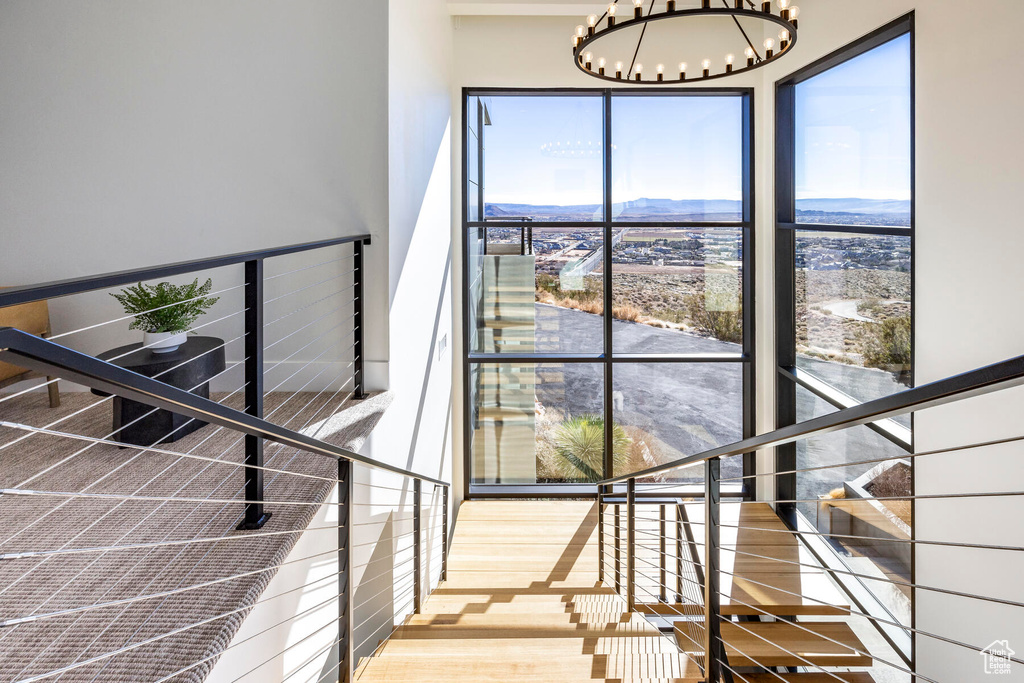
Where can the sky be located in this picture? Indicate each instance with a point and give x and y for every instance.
(853, 140)
(853, 127)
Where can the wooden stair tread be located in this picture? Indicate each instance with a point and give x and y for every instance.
(784, 644)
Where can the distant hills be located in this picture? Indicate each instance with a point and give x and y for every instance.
(840, 210)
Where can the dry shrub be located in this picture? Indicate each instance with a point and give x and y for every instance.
(627, 312)
(837, 493)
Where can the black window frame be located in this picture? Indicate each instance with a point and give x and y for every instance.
(788, 378)
(608, 358)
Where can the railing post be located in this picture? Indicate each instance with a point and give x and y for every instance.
(662, 573)
(618, 550)
(345, 601)
(631, 544)
(679, 553)
(714, 647)
(416, 486)
(600, 534)
(444, 533)
(255, 517)
(359, 391)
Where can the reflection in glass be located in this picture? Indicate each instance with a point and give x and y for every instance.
(677, 290)
(537, 423)
(853, 311)
(671, 410)
(677, 158)
(836, 500)
(543, 157)
(537, 290)
(853, 134)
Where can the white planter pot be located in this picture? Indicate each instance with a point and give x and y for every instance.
(163, 342)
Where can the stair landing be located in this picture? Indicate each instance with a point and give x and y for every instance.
(522, 603)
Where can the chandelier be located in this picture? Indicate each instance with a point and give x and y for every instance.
(585, 39)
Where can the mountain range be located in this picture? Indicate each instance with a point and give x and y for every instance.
(696, 207)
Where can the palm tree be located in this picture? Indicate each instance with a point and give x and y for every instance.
(579, 444)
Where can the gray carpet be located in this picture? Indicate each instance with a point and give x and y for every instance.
(36, 586)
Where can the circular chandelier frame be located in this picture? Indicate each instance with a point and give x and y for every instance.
(584, 44)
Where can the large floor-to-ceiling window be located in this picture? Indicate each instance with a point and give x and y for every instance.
(844, 301)
(607, 251)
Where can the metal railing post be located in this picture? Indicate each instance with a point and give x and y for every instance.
(416, 587)
(345, 601)
(679, 553)
(255, 517)
(618, 550)
(444, 533)
(631, 544)
(662, 573)
(359, 390)
(600, 534)
(714, 647)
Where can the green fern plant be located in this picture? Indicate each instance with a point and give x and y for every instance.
(154, 309)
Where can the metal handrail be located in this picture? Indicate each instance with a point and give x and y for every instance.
(50, 290)
(976, 382)
(27, 350)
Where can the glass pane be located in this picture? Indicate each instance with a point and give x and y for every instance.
(542, 158)
(474, 109)
(835, 500)
(537, 423)
(853, 311)
(540, 291)
(677, 290)
(670, 410)
(853, 140)
(677, 158)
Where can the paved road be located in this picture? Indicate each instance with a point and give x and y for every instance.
(695, 406)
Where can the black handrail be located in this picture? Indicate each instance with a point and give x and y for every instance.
(50, 358)
(50, 290)
(958, 387)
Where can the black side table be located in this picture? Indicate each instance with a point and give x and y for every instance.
(194, 363)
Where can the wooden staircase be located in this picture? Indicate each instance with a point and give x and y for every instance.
(523, 603)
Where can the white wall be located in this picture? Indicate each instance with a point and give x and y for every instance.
(135, 134)
(969, 144)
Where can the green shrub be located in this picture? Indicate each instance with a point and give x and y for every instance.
(579, 446)
(886, 345)
(152, 305)
(721, 324)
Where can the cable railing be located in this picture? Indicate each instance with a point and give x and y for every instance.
(877, 580)
(204, 513)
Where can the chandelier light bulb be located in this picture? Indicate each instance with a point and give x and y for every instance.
(783, 4)
(706, 66)
(588, 57)
(592, 20)
(749, 52)
(638, 9)
(682, 71)
(794, 12)
(783, 39)
(638, 3)
(611, 10)
(618, 66)
(601, 62)
(579, 31)
(661, 72)
(638, 69)
(769, 43)
(729, 58)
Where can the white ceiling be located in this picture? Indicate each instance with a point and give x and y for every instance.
(552, 8)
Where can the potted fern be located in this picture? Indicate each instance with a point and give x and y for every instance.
(165, 312)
